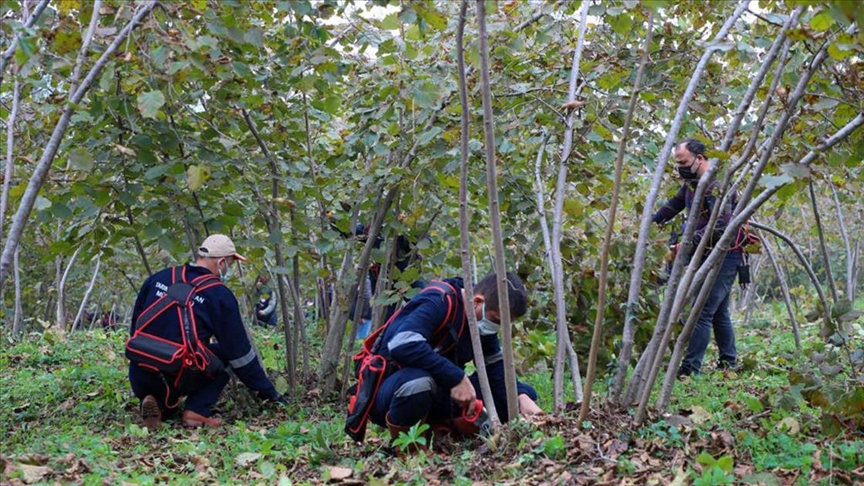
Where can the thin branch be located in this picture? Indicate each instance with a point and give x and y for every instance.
(7, 54)
(10, 154)
(85, 46)
(468, 277)
(821, 233)
(558, 216)
(610, 224)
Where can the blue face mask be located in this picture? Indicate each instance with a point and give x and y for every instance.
(485, 326)
(227, 274)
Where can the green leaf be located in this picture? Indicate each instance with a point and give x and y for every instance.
(726, 463)
(41, 203)
(242, 69)
(331, 104)
(428, 13)
(428, 135)
(705, 459)
(156, 171)
(391, 22)
(153, 229)
(425, 94)
(150, 102)
(27, 47)
(61, 210)
(821, 22)
(254, 36)
(772, 182)
(81, 159)
(753, 404)
(796, 171)
(107, 78)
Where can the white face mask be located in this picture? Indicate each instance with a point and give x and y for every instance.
(485, 326)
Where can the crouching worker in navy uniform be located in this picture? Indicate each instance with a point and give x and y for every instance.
(216, 315)
(430, 383)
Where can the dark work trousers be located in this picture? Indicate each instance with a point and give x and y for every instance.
(715, 315)
(145, 382)
(410, 395)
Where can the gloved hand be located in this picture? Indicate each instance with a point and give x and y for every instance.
(274, 399)
(697, 238)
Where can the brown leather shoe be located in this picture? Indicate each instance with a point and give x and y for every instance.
(193, 419)
(151, 414)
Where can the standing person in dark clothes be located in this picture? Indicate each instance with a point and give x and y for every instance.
(691, 163)
(430, 384)
(265, 302)
(216, 315)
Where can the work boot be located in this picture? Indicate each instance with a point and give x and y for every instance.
(151, 414)
(395, 430)
(194, 419)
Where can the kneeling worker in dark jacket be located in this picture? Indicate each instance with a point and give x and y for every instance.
(216, 314)
(430, 384)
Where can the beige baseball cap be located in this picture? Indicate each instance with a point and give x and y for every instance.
(218, 246)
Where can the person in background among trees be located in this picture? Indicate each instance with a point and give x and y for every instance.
(431, 384)
(691, 164)
(217, 315)
(265, 302)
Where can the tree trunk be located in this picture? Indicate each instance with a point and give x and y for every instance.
(10, 155)
(16, 321)
(747, 300)
(645, 224)
(44, 164)
(61, 292)
(746, 207)
(87, 294)
(826, 259)
(557, 269)
(813, 278)
(610, 224)
(468, 277)
(644, 376)
(784, 287)
(275, 230)
(850, 257)
(495, 216)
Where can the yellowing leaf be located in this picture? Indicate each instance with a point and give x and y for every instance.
(150, 102)
(196, 176)
(821, 22)
(67, 6)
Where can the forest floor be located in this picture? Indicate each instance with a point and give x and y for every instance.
(67, 416)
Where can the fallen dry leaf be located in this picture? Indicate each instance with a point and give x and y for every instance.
(339, 473)
(699, 415)
(245, 459)
(34, 474)
(790, 425)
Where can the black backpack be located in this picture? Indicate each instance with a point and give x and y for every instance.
(372, 368)
(182, 363)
